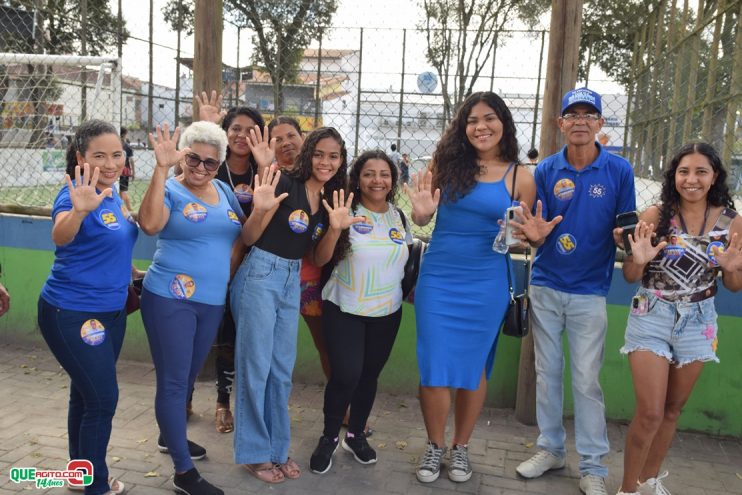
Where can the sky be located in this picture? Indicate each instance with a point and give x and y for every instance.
(383, 21)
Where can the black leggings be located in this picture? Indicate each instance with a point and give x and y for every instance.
(358, 348)
(224, 362)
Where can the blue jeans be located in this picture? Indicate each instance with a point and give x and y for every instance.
(88, 354)
(265, 305)
(585, 319)
(180, 334)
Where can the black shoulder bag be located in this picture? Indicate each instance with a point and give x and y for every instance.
(412, 267)
(516, 322)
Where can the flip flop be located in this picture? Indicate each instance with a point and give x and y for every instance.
(267, 472)
(224, 420)
(290, 469)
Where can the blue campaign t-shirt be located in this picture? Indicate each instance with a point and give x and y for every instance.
(92, 272)
(194, 248)
(578, 256)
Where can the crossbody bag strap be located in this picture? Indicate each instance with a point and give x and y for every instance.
(512, 187)
(510, 278)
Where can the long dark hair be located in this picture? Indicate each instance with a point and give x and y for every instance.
(88, 130)
(250, 113)
(303, 167)
(718, 194)
(342, 248)
(455, 168)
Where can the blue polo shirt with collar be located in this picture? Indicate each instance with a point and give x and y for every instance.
(578, 256)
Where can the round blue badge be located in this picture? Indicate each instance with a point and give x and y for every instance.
(298, 221)
(710, 251)
(318, 231)
(243, 193)
(566, 244)
(233, 217)
(396, 236)
(93, 332)
(564, 189)
(109, 220)
(195, 213)
(675, 248)
(364, 227)
(182, 286)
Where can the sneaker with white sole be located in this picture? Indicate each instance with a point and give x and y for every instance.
(592, 484)
(459, 469)
(430, 466)
(540, 463)
(359, 447)
(654, 486)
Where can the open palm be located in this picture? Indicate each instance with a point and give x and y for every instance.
(339, 212)
(165, 146)
(642, 251)
(210, 109)
(424, 200)
(264, 195)
(730, 259)
(533, 228)
(83, 194)
(263, 148)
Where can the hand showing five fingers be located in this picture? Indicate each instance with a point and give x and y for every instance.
(166, 146)
(264, 195)
(642, 251)
(424, 199)
(730, 258)
(263, 149)
(339, 212)
(532, 228)
(210, 109)
(83, 195)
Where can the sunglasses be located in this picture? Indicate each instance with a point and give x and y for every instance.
(193, 161)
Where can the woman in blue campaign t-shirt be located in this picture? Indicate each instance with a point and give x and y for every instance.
(82, 313)
(198, 219)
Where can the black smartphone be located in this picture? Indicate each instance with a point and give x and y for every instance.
(627, 221)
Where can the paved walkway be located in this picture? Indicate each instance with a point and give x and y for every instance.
(34, 393)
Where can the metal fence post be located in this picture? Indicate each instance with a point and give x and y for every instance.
(401, 91)
(358, 95)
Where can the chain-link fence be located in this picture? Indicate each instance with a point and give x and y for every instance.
(686, 85)
(376, 86)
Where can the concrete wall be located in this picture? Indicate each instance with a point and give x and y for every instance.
(26, 254)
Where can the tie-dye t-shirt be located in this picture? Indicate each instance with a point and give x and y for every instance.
(368, 282)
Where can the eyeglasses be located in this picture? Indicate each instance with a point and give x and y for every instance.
(589, 117)
(193, 161)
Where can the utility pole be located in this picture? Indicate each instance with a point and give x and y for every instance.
(561, 76)
(207, 50)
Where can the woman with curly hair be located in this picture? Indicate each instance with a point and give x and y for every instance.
(462, 291)
(672, 329)
(366, 241)
(286, 219)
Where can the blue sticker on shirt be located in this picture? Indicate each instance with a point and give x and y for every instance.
(243, 193)
(363, 227)
(566, 244)
(109, 220)
(93, 332)
(564, 189)
(195, 212)
(298, 221)
(710, 251)
(233, 217)
(675, 248)
(396, 236)
(318, 231)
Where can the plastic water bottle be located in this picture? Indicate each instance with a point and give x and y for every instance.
(500, 246)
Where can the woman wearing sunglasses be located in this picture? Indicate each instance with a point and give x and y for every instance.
(198, 218)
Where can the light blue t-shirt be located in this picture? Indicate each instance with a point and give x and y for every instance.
(193, 250)
(578, 256)
(92, 272)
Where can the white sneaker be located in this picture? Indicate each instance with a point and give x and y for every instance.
(654, 486)
(540, 463)
(592, 484)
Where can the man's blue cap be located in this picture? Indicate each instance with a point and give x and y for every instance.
(582, 96)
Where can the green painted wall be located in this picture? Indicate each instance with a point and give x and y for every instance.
(713, 408)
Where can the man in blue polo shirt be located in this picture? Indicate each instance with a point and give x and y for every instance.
(572, 272)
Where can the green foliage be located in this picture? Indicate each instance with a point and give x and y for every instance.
(179, 15)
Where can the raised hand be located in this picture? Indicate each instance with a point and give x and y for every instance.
(642, 251)
(532, 228)
(262, 148)
(264, 195)
(83, 195)
(339, 212)
(730, 258)
(424, 200)
(166, 146)
(210, 109)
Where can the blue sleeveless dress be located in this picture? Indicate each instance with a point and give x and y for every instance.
(462, 290)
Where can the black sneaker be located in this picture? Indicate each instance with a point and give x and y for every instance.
(191, 483)
(359, 447)
(197, 452)
(321, 460)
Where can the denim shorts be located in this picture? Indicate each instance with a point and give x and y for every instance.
(681, 332)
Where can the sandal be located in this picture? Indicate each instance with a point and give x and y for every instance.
(290, 469)
(224, 420)
(266, 472)
(119, 486)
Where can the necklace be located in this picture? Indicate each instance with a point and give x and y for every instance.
(229, 175)
(703, 225)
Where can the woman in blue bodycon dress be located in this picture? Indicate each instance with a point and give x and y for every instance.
(462, 290)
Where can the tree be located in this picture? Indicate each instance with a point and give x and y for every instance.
(282, 30)
(463, 34)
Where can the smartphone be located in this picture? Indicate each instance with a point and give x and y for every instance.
(510, 215)
(627, 221)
